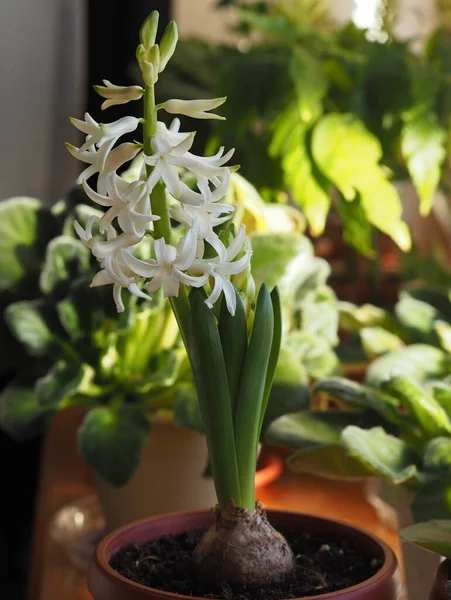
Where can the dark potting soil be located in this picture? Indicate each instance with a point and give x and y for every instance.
(324, 564)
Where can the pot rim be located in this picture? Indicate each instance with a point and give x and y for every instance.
(269, 470)
(101, 555)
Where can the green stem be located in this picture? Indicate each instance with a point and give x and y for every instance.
(162, 227)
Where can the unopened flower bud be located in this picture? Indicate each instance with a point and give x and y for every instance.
(148, 61)
(168, 44)
(148, 31)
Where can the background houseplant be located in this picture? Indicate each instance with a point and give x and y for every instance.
(435, 537)
(332, 85)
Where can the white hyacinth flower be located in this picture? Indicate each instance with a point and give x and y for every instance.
(116, 158)
(224, 266)
(122, 199)
(169, 157)
(197, 109)
(118, 94)
(110, 255)
(204, 217)
(104, 135)
(167, 269)
(103, 249)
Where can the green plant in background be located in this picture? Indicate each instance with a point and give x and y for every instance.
(392, 426)
(65, 345)
(329, 116)
(413, 339)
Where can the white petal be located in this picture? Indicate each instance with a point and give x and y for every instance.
(154, 177)
(171, 287)
(230, 296)
(134, 289)
(186, 251)
(101, 278)
(117, 289)
(191, 280)
(140, 267)
(155, 284)
(237, 243)
(95, 196)
(216, 292)
(171, 179)
(233, 268)
(219, 247)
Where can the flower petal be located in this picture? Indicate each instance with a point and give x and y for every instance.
(186, 251)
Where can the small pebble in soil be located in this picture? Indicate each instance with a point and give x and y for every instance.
(324, 564)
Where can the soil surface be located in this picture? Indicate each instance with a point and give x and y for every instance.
(324, 564)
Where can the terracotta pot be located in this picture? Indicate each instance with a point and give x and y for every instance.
(174, 459)
(106, 584)
(439, 587)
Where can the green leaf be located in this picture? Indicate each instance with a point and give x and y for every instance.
(272, 256)
(377, 341)
(284, 399)
(313, 352)
(417, 361)
(233, 334)
(328, 461)
(431, 535)
(275, 351)
(251, 396)
(437, 298)
(382, 454)
(32, 322)
(290, 369)
(437, 455)
(357, 231)
(310, 429)
(423, 144)
(21, 417)
(210, 376)
(310, 84)
(26, 226)
(355, 318)
(443, 330)
(319, 315)
(111, 441)
(441, 391)
(310, 189)
(433, 500)
(427, 412)
(60, 383)
(66, 259)
(316, 438)
(348, 154)
(358, 396)
(417, 316)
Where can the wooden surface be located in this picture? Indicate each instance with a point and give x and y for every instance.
(64, 478)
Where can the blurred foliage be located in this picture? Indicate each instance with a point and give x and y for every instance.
(66, 344)
(397, 424)
(323, 114)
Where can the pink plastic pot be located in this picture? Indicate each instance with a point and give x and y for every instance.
(106, 584)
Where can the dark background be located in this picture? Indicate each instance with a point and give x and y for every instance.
(112, 41)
